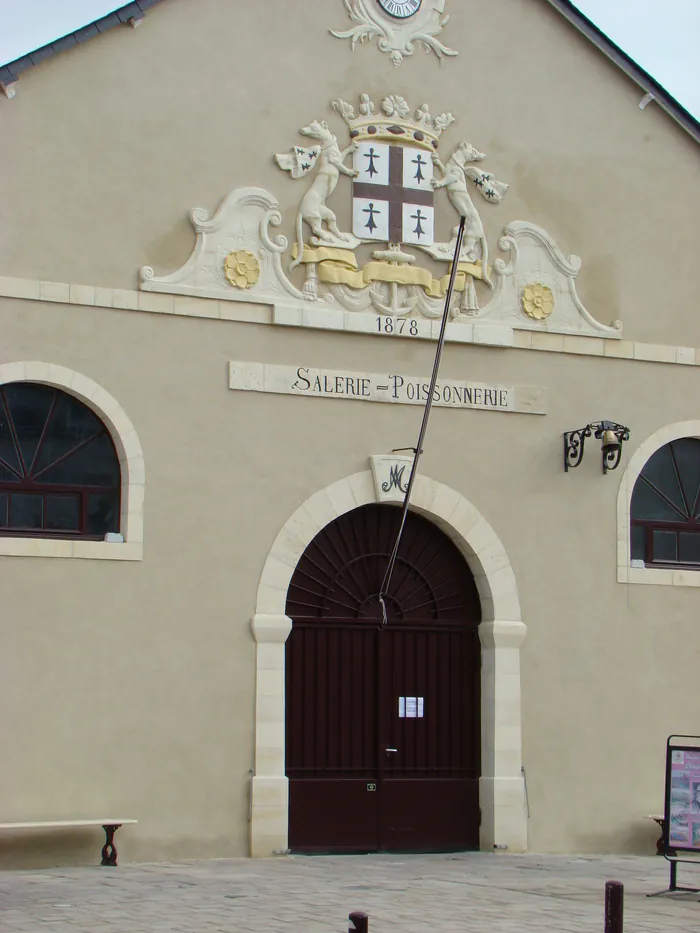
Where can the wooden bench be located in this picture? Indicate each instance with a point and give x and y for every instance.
(109, 851)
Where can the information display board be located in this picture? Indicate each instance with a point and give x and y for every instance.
(682, 822)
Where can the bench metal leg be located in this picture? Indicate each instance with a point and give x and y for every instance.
(109, 850)
(673, 885)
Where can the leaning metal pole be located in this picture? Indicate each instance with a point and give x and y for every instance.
(386, 582)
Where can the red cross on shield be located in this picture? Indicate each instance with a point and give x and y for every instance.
(393, 200)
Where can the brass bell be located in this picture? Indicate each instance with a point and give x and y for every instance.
(611, 442)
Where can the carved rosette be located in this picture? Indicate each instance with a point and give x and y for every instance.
(237, 257)
(242, 268)
(537, 301)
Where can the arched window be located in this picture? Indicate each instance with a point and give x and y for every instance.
(59, 470)
(665, 509)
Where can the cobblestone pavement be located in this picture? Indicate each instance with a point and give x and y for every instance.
(465, 892)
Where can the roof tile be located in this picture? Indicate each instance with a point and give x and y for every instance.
(108, 22)
(10, 71)
(131, 11)
(40, 55)
(67, 42)
(84, 35)
(20, 65)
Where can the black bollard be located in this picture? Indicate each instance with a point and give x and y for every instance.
(359, 922)
(614, 899)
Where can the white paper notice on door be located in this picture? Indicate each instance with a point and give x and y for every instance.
(410, 707)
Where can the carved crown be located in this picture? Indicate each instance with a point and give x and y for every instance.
(394, 121)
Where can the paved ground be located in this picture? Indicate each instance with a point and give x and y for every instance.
(470, 892)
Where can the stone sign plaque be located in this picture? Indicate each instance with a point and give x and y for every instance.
(390, 387)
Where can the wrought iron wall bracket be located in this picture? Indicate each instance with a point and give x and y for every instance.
(573, 446)
(612, 436)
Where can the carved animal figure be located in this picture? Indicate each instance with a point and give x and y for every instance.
(313, 209)
(454, 180)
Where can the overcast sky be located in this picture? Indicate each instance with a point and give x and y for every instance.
(663, 36)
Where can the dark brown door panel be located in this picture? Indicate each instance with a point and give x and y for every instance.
(337, 815)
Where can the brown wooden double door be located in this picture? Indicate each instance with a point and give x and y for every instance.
(383, 722)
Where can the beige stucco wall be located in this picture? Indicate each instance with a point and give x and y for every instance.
(127, 688)
(106, 149)
(159, 653)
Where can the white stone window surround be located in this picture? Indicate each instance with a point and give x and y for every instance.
(131, 462)
(501, 786)
(650, 575)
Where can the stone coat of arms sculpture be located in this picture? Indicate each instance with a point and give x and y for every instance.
(396, 173)
(397, 177)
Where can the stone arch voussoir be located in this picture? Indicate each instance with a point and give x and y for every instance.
(504, 819)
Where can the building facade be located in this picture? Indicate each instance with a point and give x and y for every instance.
(224, 248)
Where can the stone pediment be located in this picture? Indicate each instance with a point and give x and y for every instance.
(398, 186)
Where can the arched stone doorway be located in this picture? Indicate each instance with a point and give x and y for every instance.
(501, 633)
(383, 720)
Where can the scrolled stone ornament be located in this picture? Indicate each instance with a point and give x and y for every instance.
(398, 26)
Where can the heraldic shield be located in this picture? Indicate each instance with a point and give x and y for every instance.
(392, 196)
(396, 171)
(399, 176)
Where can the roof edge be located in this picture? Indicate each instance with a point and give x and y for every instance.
(663, 98)
(131, 14)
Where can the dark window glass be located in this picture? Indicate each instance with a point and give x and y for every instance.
(686, 453)
(689, 547)
(8, 449)
(665, 546)
(649, 504)
(638, 543)
(94, 464)
(29, 407)
(72, 424)
(26, 511)
(103, 514)
(666, 505)
(7, 476)
(660, 472)
(59, 471)
(62, 513)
